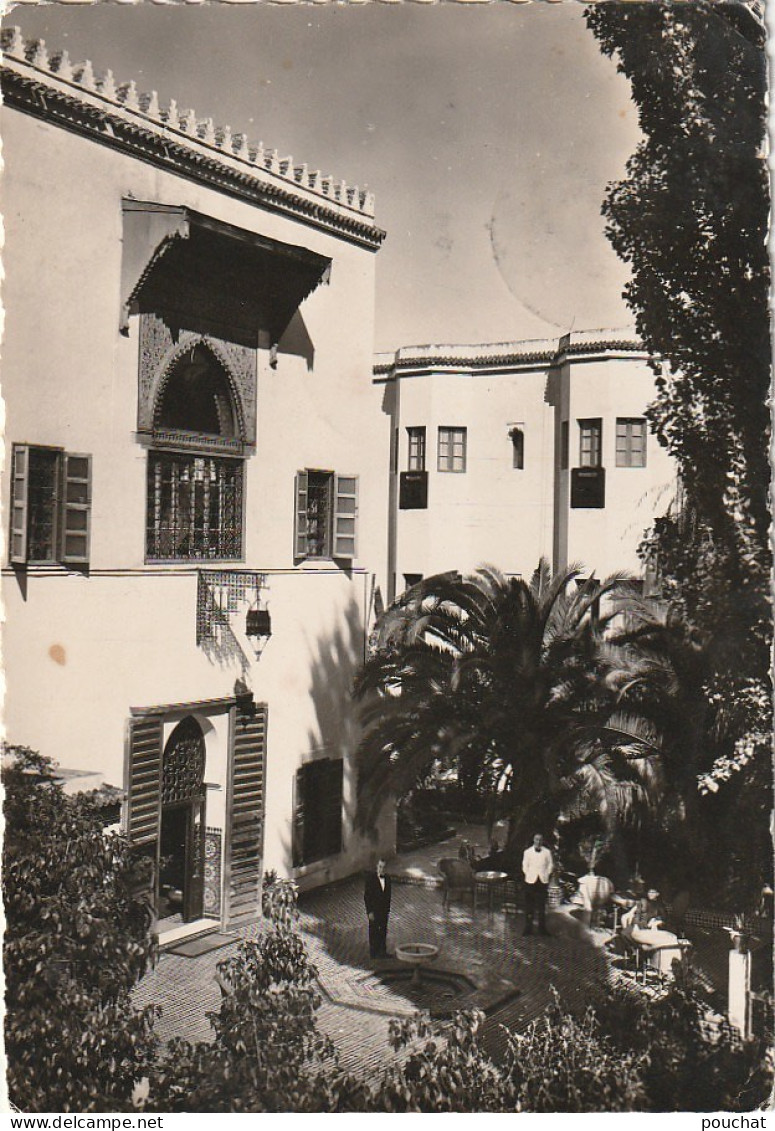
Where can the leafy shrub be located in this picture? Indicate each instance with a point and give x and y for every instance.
(268, 1054)
(76, 942)
(449, 1071)
(564, 1063)
(687, 1063)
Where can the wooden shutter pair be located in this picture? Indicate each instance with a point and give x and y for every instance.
(245, 833)
(74, 506)
(247, 809)
(345, 516)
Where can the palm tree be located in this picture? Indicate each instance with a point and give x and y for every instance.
(513, 684)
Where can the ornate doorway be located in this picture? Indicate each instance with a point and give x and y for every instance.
(181, 843)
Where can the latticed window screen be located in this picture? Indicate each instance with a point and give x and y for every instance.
(194, 507)
(452, 449)
(590, 442)
(631, 442)
(317, 819)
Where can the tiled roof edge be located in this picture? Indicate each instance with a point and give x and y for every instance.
(116, 113)
(546, 351)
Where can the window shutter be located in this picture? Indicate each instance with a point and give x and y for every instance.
(144, 777)
(247, 809)
(19, 492)
(317, 811)
(330, 779)
(345, 512)
(300, 524)
(299, 808)
(76, 509)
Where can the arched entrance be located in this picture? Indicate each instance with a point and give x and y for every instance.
(181, 848)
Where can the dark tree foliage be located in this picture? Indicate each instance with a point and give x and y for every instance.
(691, 220)
(268, 1053)
(76, 941)
(684, 1062)
(510, 683)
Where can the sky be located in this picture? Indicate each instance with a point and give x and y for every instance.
(487, 133)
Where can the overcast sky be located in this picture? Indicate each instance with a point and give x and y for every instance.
(488, 134)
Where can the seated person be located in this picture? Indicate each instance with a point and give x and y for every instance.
(494, 861)
(644, 924)
(649, 910)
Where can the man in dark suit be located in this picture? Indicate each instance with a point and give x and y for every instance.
(376, 896)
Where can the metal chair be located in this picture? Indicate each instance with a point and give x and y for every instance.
(459, 879)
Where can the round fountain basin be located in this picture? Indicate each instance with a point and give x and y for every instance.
(416, 954)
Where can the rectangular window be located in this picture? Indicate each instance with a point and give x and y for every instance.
(317, 816)
(194, 507)
(564, 445)
(416, 449)
(50, 506)
(412, 579)
(517, 435)
(326, 515)
(452, 449)
(591, 442)
(631, 441)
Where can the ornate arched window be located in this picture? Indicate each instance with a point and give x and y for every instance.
(194, 483)
(197, 396)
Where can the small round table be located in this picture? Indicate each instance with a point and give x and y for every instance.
(416, 954)
(491, 879)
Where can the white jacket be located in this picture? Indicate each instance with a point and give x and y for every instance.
(537, 865)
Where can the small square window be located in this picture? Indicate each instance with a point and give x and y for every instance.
(416, 438)
(591, 443)
(631, 441)
(452, 449)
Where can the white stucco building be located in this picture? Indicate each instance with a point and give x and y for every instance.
(211, 488)
(509, 452)
(190, 439)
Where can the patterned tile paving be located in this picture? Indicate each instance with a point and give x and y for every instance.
(512, 976)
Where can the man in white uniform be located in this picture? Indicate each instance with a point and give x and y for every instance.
(537, 868)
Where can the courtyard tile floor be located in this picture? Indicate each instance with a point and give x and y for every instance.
(489, 964)
(484, 962)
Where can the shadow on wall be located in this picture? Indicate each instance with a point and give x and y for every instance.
(297, 342)
(334, 662)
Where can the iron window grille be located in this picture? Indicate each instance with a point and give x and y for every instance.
(195, 507)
